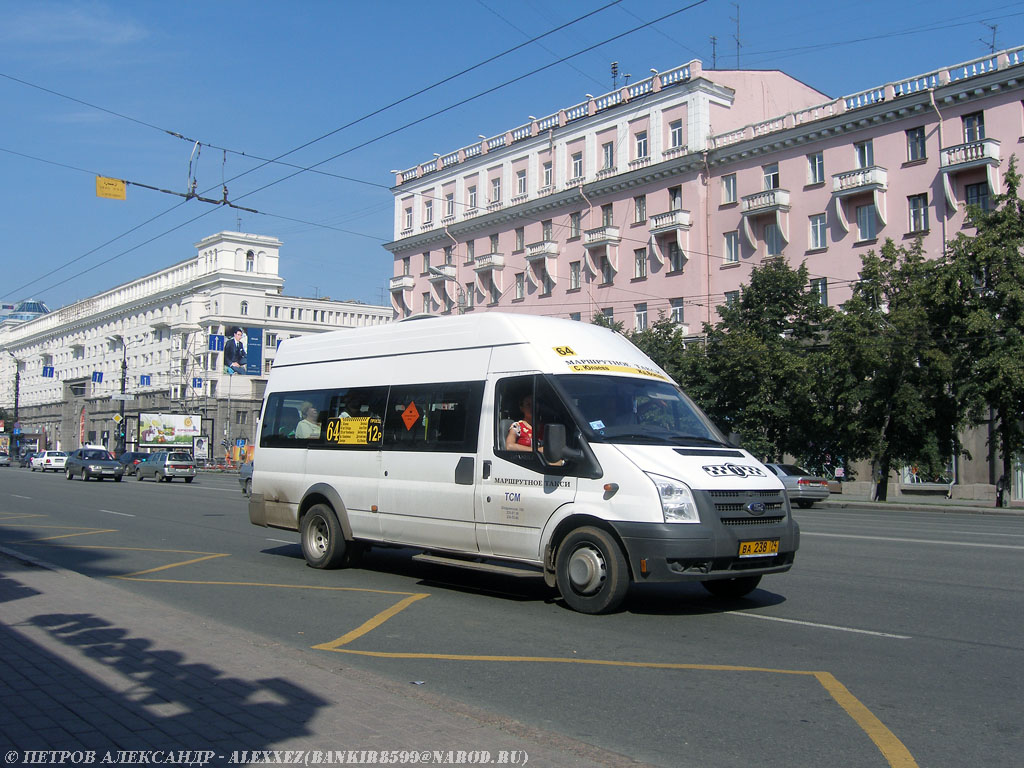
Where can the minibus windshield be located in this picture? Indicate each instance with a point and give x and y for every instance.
(619, 409)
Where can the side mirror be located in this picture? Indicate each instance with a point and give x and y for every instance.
(555, 449)
(734, 439)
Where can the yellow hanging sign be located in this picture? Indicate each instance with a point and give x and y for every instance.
(114, 189)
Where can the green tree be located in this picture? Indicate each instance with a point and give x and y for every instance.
(664, 343)
(892, 378)
(981, 299)
(755, 374)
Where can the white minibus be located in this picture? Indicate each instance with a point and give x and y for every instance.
(512, 443)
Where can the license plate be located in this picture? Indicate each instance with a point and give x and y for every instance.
(760, 548)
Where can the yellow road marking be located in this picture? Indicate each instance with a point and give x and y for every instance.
(173, 565)
(67, 535)
(372, 624)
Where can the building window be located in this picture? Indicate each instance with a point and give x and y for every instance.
(608, 313)
(641, 144)
(772, 240)
(271, 341)
(676, 259)
(426, 263)
(494, 244)
(819, 286)
(547, 174)
(470, 250)
(640, 317)
(917, 206)
(447, 304)
(243, 308)
(574, 316)
(428, 211)
(577, 165)
(916, 149)
(607, 273)
(675, 198)
(495, 292)
(729, 188)
(408, 218)
(574, 275)
(520, 239)
(640, 263)
(520, 182)
(640, 209)
(732, 247)
(865, 153)
(675, 134)
(449, 204)
(250, 262)
(818, 237)
(816, 168)
(520, 285)
(496, 190)
(607, 215)
(608, 156)
(546, 231)
(471, 197)
(470, 293)
(770, 173)
(732, 298)
(426, 302)
(575, 224)
(974, 127)
(867, 222)
(676, 313)
(449, 254)
(406, 265)
(976, 194)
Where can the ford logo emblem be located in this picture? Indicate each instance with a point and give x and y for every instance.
(756, 508)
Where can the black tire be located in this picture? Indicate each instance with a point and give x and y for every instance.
(117, 478)
(189, 479)
(591, 571)
(68, 475)
(138, 476)
(248, 487)
(804, 503)
(85, 477)
(730, 589)
(323, 542)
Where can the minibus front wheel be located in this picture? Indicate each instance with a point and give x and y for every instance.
(591, 571)
(323, 542)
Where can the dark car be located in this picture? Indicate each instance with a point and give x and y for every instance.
(130, 460)
(245, 478)
(93, 463)
(167, 465)
(801, 486)
(26, 459)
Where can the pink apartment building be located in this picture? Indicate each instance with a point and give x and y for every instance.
(659, 198)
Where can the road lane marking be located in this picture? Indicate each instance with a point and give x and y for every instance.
(817, 625)
(112, 512)
(370, 625)
(914, 541)
(282, 541)
(20, 497)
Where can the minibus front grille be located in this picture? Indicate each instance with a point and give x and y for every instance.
(753, 520)
(741, 494)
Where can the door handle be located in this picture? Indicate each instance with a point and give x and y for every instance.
(487, 469)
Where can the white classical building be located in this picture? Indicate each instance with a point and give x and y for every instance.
(159, 341)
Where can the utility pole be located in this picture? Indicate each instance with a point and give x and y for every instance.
(124, 381)
(736, 37)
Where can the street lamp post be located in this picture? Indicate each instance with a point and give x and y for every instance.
(120, 445)
(17, 390)
(436, 272)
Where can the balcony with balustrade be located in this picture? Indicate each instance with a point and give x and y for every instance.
(400, 283)
(486, 262)
(601, 237)
(860, 180)
(672, 221)
(768, 201)
(983, 154)
(441, 273)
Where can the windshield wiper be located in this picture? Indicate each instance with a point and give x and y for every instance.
(694, 439)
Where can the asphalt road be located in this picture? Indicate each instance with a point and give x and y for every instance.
(895, 640)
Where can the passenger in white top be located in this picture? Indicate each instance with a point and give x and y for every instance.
(309, 426)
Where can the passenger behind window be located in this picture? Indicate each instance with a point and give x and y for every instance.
(520, 433)
(309, 427)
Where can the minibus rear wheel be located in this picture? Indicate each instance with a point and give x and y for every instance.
(323, 542)
(591, 571)
(732, 588)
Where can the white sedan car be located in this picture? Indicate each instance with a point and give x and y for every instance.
(49, 460)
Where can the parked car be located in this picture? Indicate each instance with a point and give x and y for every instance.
(802, 487)
(245, 478)
(167, 465)
(49, 460)
(93, 463)
(26, 459)
(5, 459)
(130, 460)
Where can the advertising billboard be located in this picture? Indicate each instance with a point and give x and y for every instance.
(243, 350)
(174, 430)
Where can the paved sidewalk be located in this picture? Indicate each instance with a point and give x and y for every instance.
(87, 665)
(936, 504)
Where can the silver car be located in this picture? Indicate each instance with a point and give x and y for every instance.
(801, 486)
(167, 465)
(5, 459)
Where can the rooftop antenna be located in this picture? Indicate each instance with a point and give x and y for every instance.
(992, 45)
(714, 52)
(736, 37)
(615, 75)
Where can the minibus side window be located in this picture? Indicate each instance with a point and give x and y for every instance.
(547, 408)
(441, 417)
(353, 418)
(282, 415)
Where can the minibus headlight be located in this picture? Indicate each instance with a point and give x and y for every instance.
(677, 502)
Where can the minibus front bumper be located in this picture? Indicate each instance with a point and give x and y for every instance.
(663, 552)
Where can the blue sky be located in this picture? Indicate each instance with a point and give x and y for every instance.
(94, 87)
